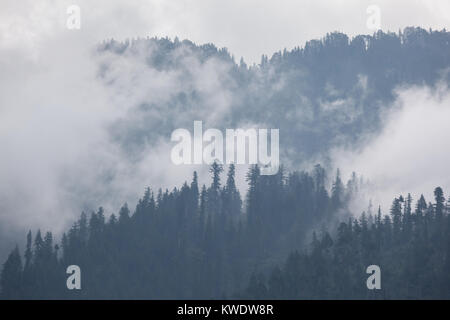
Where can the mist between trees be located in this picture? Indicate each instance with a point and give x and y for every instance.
(202, 242)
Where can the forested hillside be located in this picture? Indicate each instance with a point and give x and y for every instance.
(327, 93)
(192, 242)
(211, 241)
(200, 242)
(411, 247)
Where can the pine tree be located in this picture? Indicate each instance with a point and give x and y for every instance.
(439, 206)
(231, 198)
(337, 192)
(28, 251)
(407, 219)
(396, 214)
(124, 214)
(214, 204)
(421, 206)
(11, 276)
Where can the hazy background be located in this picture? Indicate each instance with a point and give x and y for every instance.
(61, 124)
(247, 28)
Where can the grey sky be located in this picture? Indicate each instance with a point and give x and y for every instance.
(247, 28)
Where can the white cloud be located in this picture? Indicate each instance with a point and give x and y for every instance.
(411, 153)
(58, 156)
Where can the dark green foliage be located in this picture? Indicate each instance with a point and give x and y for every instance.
(186, 244)
(11, 276)
(413, 253)
(191, 244)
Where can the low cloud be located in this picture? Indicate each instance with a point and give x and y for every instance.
(65, 130)
(411, 154)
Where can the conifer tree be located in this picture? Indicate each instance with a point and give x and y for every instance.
(11, 276)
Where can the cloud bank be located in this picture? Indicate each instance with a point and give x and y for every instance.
(411, 154)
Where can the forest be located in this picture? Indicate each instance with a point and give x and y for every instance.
(327, 93)
(292, 235)
(412, 248)
(208, 242)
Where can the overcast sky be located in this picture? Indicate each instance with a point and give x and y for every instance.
(247, 28)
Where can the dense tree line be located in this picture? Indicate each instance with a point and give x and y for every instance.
(192, 242)
(208, 242)
(411, 247)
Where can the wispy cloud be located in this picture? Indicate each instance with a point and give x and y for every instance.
(411, 153)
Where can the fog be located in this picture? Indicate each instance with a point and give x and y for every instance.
(58, 156)
(410, 155)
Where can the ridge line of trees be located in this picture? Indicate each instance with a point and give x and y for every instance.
(192, 242)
